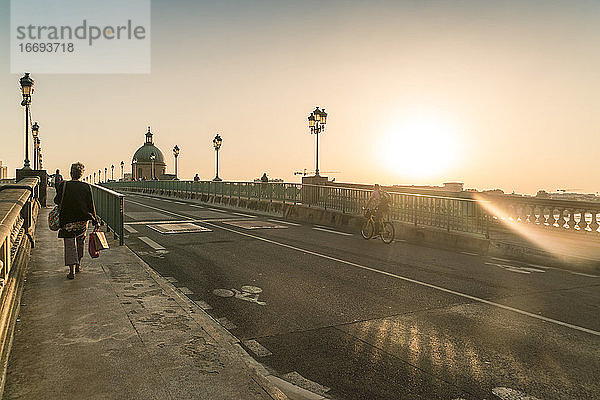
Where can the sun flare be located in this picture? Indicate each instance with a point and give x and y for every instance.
(420, 146)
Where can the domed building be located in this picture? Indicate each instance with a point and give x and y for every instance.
(148, 162)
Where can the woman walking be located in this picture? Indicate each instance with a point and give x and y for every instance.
(76, 209)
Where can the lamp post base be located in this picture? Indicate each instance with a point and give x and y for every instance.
(217, 179)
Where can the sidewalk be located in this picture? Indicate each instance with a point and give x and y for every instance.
(120, 331)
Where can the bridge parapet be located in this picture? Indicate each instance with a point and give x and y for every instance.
(19, 205)
(449, 213)
(562, 216)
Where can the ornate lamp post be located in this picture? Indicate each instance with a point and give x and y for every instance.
(122, 173)
(34, 131)
(112, 172)
(152, 158)
(26, 90)
(105, 172)
(99, 176)
(217, 142)
(176, 154)
(316, 122)
(94, 177)
(134, 169)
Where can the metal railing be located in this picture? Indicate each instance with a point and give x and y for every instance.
(110, 208)
(18, 204)
(449, 213)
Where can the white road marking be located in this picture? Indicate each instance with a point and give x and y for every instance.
(399, 240)
(583, 274)
(185, 290)
(511, 394)
(151, 243)
(502, 259)
(257, 348)
(185, 227)
(243, 215)
(565, 270)
(519, 270)
(217, 210)
(404, 278)
(318, 228)
(129, 229)
(179, 202)
(284, 222)
(195, 205)
(468, 253)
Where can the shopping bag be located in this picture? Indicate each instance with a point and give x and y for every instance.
(94, 253)
(100, 241)
(54, 219)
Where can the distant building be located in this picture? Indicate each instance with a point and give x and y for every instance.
(3, 171)
(456, 187)
(142, 166)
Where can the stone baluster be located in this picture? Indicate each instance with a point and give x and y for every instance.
(582, 222)
(561, 219)
(551, 219)
(571, 222)
(594, 225)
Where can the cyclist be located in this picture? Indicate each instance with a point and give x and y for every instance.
(379, 202)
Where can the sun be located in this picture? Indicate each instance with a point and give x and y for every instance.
(420, 145)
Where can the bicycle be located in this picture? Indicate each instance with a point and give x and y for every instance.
(387, 232)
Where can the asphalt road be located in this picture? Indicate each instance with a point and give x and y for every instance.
(364, 320)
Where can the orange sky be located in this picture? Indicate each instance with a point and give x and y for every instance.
(493, 95)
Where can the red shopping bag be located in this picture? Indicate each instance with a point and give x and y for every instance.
(94, 253)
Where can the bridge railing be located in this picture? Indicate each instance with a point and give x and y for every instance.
(582, 217)
(18, 205)
(452, 214)
(110, 208)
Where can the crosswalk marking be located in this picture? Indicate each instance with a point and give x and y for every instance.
(129, 229)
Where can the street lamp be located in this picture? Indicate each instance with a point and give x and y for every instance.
(316, 122)
(122, 174)
(99, 176)
(176, 154)
(112, 172)
(105, 171)
(38, 153)
(27, 90)
(217, 141)
(94, 177)
(34, 131)
(134, 169)
(152, 158)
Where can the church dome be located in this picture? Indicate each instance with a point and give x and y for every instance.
(142, 155)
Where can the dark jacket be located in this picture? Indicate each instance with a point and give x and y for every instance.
(77, 205)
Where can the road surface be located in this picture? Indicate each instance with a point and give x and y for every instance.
(359, 319)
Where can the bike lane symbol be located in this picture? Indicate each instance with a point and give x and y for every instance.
(247, 293)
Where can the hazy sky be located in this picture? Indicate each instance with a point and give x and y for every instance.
(494, 94)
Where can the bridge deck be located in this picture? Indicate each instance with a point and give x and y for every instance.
(345, 317)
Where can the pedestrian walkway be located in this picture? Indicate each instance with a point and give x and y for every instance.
(120, 331)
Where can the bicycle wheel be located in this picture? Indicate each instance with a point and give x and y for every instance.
(387, 233)
(367, 229)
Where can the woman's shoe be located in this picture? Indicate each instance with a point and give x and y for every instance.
(70, 276)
